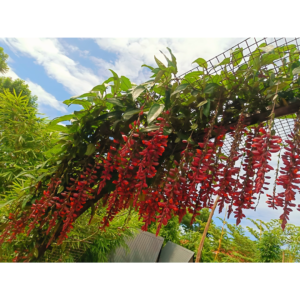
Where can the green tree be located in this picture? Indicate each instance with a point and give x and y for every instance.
(3, 65)
(87, 243)
(19, 86)
(269, 248)
(288, 239)
(24, 141)
(234, 246)
(170, 232)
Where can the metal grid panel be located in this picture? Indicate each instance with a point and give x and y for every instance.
(283, 125)
(248, 45)
(145, 247)
(174, 253)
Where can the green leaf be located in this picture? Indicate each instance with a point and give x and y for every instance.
(194, 74)
(108, 80)
(60, 189)
(110, 115)
(149, 128)
(288, 47)
(115, 124)
(159, 75)
(125, 84)
(84, 95)
(79, 114)
(148, 83)
(180, 88)
(171, 66)
(167, 130)
(177, 140)
(151, 68)
(201, 62)
(84, 103)
(173, 60)
(206, 108)
(58, 128)
(128, 114)
(167, 99)
(194, 126)
(160, 64)
(256, 63)
(225, 61)
(237, 56)
(62, 119)
(158, 89)
(296, 71)
(210, 88)
(154, 112)
(99, 88)
(269, 58)
(216, 78)
(5, 203)
(90, 149)
(36, 252)
(116, 81)
(115, 75)
(114, 101)
(272, 77)
(190, 100)
(202, 103)
(137, 91)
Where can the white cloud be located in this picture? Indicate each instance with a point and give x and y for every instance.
(50, 54)
(44, 98)
(132, 53)
(73, 48)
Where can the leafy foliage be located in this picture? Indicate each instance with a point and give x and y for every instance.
(3, 65)
(19, 87)
(87, 243)
(24, 142)
(269, 248)
(288, 240)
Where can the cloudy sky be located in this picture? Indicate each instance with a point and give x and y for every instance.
(58, 68)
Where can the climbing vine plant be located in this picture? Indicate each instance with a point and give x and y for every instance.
(156, 148)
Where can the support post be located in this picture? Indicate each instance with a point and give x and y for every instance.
(198, 257)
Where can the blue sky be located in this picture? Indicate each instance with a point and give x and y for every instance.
(58, 68)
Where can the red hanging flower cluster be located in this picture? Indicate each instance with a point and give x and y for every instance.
(227, 174)
(205, 171)
(17, 224)
(263, 146)
(127, 159)
(159, 191)
(243, 197)
(155, 147)
(290, 175)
